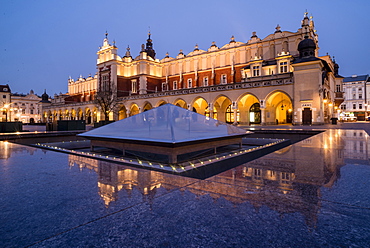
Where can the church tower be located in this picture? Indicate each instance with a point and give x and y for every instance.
(149, 47)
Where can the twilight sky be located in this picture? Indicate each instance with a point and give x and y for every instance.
(44, 42)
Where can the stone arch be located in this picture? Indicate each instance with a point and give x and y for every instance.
(147, 106)
(67, 114)
(200, 106)
(60, 114)
(55, 115)
(222, 109)
(80, 114)
(88, 116)
(247, 105)
(50, 116)
(160, 103)
(180, 103)
(278, 108)
(73, 114)
(134, 109)
(95, 114)
(122, 112)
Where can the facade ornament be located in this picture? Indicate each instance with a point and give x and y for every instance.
(128, 54)
(232, 39)
(254, 34)
(278, 29)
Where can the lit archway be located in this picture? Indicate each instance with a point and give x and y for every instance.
(60, 114)
(95, 115)
(80, 114)
(249, 108)
(147, 107)
(88, 116)
(122, 113)
(73, 114)
(66, 114)
(279, 108)
(180, 103)
(221, 107)
(201, 106)
(160, 103)
(134, 110)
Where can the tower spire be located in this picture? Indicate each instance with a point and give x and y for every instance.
(149, 46)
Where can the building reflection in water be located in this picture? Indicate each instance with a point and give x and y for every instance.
(287, 181)
(8, 149)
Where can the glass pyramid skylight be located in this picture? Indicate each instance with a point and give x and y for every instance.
(168, 124)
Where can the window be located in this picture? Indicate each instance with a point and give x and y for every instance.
(359, 96)
(105, 83)
(164, 86)
(283, 67)
(175, 85)
(133, 86)
(256, 71)
(354, 96)
(360, 105)
(223, 79)
(285, 176)
(230, 116)
(23, 111)
(190, 83)
(354, 106)
(338, 88)
(257, 173)
(205, 81)
(31, 111)
(4, 96)
(343, 107)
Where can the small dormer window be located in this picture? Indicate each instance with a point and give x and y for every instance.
(5, 89)
(284, 67)
(256, 71)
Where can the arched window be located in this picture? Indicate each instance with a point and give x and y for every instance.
(230, 117)
(255, 114)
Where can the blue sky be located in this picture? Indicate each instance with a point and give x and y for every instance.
(43, 42)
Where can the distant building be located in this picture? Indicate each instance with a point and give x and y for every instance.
(5, 101)
(25, 108)
(356, 98)
(277, 79)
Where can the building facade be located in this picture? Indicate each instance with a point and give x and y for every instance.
(357, 99)
(277, 79)
(25, 108)
(5, 101)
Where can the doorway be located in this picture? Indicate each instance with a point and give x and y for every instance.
(306, 116)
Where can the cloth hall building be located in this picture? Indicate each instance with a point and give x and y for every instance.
(277, 79)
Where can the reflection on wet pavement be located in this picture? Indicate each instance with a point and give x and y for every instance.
(312, 194)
